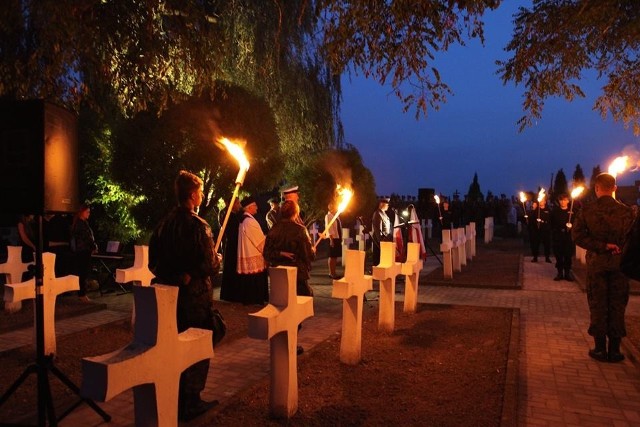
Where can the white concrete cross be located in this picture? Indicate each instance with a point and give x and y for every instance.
(472, 238)
(462, 245)
(51, 287)
(446, 247)
(411, 269)
(467, 241)
(361, 238)
(278, 322)
(314, 232)
(351, 288)
(152, 363)
(488, 229)
(140, 270)
(429, 228)
(346, 241)
(12, 270)
(455, 250)
(386, 273)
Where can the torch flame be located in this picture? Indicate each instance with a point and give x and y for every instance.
(437, 199)
(577, 191)
(618, 165)
(346, 194)
(523, 197)
(236, 151)
(541, 195)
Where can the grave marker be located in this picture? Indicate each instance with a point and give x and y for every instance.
(278, 322)
(386, 273)
(140, 270)
(51, 287)
(13, 269)
(446, 247)
(152, 363)
(346, 241)
(411, 269)
(351, 288)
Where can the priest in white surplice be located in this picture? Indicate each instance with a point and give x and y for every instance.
(252, 269)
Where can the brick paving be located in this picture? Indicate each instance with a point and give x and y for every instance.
(558, 384)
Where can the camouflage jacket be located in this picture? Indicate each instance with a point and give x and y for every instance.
(603, 221)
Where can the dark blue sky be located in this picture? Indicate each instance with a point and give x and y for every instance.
(476, 130)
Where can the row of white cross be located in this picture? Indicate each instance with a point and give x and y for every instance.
(153, 362)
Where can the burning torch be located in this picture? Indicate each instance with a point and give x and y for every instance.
(238, 153)
(523, 200)
(574, 193)
(437, 199)
(345, 194)
(541, 196)
(618, 165)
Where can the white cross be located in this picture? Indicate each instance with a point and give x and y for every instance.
(13, 269)
(152, 363)
(411, 269)
(386, 273)
(51, 287)
(346, 241)
(472, 238)
(314, 232)
(351, 288)
(446, 247)
(462, 245)
(278, 322)
(140, 270)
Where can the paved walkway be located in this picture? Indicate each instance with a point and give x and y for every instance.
(558, 384)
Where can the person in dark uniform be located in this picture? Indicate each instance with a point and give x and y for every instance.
(540, 230)
(380, 228)
(601, 228)
(561, 237)
(181, 253)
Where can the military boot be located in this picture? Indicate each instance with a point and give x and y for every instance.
(614, 355)
(559, 276)
(600, 351)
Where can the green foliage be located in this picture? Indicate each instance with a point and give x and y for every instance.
(318, 179)
(112, 205)
(149, 150)
(396, 41)
(555, 41)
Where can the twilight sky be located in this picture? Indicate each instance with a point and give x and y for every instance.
(476, 130)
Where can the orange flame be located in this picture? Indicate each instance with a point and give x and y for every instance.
(577, 192)
(523, 197)
(541, 195)
(346, 194)
(618, 165)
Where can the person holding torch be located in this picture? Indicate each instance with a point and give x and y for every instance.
(560, 220)
(181, 254)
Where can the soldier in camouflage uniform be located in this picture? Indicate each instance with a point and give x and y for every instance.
(601, 228)
(181, 254)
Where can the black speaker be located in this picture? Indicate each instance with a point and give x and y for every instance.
(38, 157)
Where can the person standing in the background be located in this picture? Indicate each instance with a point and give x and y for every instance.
(83, 245)
(602, 228)
(334, 234)
(252, 269)
(561, 236)
(380, 228)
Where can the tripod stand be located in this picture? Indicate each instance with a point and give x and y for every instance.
(44, 363)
